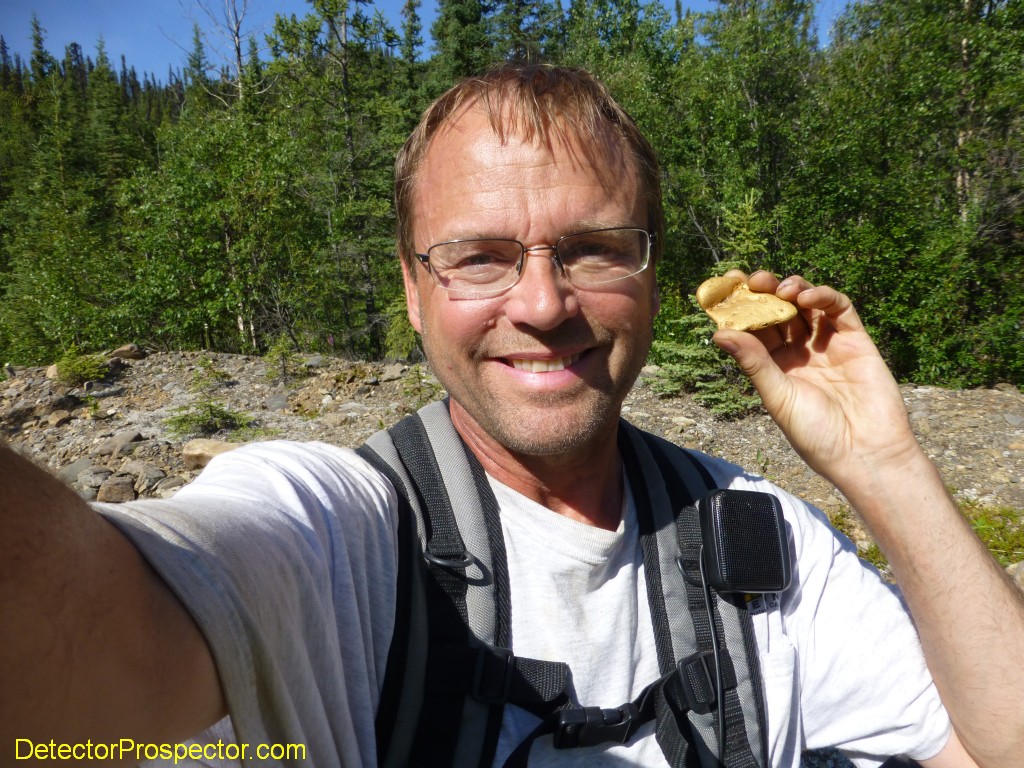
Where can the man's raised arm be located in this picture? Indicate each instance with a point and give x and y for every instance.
(823, 381)
(93, 645)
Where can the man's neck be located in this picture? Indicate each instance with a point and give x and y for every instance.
(584, 485)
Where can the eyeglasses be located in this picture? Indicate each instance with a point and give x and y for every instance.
(481, 268)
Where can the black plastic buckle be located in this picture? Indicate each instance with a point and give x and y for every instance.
(492, 678)
(697, 680)
(587, 726)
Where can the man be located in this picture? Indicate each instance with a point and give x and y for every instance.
(266, 589)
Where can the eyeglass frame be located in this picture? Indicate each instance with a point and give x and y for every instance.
(424, 259)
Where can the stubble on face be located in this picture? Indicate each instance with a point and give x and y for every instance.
(552, 424)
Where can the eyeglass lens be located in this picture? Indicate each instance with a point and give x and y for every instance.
(480, 267)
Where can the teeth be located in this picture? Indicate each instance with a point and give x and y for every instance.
(544, 366)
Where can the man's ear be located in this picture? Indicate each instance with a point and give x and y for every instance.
(655, 300)
(412, 296)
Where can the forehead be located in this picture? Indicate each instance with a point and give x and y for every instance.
(474, 174)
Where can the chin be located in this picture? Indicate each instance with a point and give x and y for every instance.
(552, 434)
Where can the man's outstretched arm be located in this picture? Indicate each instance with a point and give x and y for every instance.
(825, 384)
(93, 644)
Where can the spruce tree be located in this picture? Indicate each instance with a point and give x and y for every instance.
(463, 47)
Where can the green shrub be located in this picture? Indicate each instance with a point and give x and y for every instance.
(1000, 528)
(420, 387)
(690, 362)
(208, 376)
(74, 368)
(206, 417)
(253, 433)
(283, 361)
(401, 341)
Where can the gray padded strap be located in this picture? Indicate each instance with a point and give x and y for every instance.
(457, 478)
(683, 634)
(736, 644)
(465, 499)
(407, 715)
(462, 491)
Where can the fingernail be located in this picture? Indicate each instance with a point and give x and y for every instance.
(785, 283)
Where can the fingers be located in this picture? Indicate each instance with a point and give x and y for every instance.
(834, 305)
(810, 298)
(763, 282)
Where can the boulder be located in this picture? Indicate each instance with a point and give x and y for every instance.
(170, 486)
(117, 489)
(147, 476)
(277, 402)
(129, 352)
(113, 446)
(58, 418)
(314, 361)
(92, 477)
(338, 419)
(198, 453)
(105, 391)
(114, 366)
(392, 372)
(69, 474)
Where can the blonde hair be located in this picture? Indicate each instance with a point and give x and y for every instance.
(535, 101)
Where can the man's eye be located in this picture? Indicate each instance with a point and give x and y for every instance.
(477, 260)
(483, 259)
(593, 251)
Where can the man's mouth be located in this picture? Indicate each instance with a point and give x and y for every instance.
(543, 366)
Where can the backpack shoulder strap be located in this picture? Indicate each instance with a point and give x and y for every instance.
(453, 592)
(667, 481)
(452, 689)
(401, 695)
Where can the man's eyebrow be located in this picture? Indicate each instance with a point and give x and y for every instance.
(474, 235)
(590, 225)
(581, 226)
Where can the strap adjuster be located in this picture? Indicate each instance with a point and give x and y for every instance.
(696, 679)
(492, 678)
(587, 726)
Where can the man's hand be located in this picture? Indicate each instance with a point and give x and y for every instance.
(824, 382)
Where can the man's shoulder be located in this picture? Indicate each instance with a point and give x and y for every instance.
(284, 452)
(316, 467)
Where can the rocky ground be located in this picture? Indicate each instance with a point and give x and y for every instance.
(110, 438)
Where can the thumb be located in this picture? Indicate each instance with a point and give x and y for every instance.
(754, 360)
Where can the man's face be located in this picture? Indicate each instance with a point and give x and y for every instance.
(543, 368)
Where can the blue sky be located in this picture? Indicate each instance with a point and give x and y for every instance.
(154, 35)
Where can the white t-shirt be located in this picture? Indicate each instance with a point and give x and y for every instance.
(285, 553)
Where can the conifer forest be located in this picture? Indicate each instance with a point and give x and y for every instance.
(237, 205)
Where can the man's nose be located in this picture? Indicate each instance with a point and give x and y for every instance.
(543, 298)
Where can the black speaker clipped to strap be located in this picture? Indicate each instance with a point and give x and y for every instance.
(744, 549)
(745, 544)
